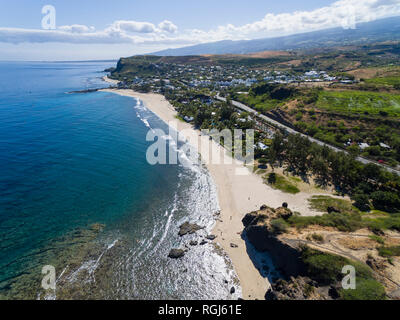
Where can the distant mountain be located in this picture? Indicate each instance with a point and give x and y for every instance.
(379, 30)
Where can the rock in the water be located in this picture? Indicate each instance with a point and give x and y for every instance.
(232, 290)
(176, 253)
(285, 205)
(234, 245)
(203, 242)
(263, 207)
(193, 243)
(211, 237)
(188, 228)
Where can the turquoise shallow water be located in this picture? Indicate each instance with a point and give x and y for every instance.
(68, 161)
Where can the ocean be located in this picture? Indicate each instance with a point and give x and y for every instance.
(77, 193)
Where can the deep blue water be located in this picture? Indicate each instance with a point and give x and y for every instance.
(70, 160)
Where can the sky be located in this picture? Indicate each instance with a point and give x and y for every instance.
(99, 29)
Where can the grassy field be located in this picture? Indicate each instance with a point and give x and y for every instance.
(349, 218)
(282, 183)
(387, 81)
(262, 103)
(321, 203)
(360, 102)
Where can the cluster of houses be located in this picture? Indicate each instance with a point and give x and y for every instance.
(175, 76)
(309, 76)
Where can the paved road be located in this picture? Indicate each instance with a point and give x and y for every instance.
(292, 131)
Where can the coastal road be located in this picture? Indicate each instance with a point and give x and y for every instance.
(292, 131)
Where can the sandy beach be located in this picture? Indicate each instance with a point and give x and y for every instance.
(238, 194)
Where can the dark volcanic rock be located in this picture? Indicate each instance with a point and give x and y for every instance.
(203, 242)
(284, 213)
(176, 253)
(270, 295)
(193, 243)
(232, 290)
(234, 245)
(284, 205)
(252, 218)
(375, 264)
(299, 288)
(188, 228)
(211, 237)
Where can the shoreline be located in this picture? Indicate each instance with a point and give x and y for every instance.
(237, 195)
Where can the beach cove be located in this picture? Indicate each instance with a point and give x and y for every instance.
(238, 194)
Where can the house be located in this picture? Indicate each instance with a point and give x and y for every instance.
(385, 146)
(363, 145)
(262, 146)
(188, 119)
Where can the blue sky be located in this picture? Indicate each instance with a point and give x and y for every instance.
(187, 13)
(90, 29)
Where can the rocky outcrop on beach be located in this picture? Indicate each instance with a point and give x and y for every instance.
(294, 283)
(188, 228)
(260, 233)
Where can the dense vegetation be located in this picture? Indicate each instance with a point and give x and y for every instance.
(373, 103)
(369, 185)
(281, 183)
(264, 96)
(345, 118)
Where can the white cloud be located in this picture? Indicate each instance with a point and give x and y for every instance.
(168, 26)
(16, 35)
(341, 13)
(77, 28)
(132, 27)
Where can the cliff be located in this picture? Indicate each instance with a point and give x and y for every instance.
(262, 235)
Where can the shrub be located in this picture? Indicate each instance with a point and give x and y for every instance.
(279, 226)
(377, 239)
(317, 237)
(323, 267)
(389, 251)
(385, 201)
(366, 289)
(361, 201)
(272, 178)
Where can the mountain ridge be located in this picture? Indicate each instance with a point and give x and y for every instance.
(379, 30)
